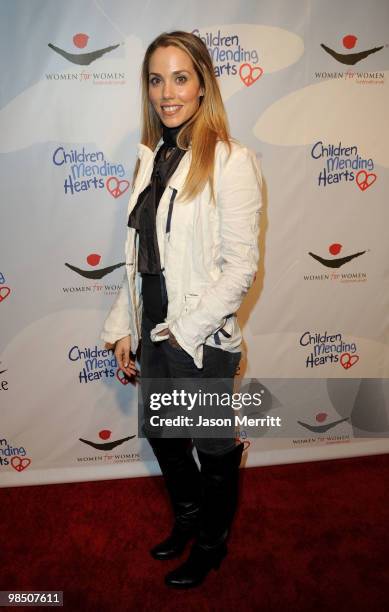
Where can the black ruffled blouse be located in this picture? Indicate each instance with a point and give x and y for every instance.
(142, 218)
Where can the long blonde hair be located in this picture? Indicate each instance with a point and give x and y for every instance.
(208, 124)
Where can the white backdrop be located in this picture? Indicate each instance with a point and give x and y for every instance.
(306, 86)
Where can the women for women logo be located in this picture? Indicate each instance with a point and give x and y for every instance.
(93, 272)
(93, 260)
(80, 41)
(349, 42)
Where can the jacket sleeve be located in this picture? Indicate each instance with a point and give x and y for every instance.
(238, 201)
(117, 323)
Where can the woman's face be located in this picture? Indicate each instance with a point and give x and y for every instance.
(174, 87)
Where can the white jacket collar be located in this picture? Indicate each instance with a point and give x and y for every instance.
(144, 152)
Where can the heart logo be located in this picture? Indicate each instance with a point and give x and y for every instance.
(122, 377)
(20, 463)
(4, 293)
(365, 180)
(348, 360)
(116, 190)
(249, 74)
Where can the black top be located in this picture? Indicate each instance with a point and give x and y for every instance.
(142, 218)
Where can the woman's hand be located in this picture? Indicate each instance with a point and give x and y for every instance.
(163, 332)
(172, 339)
(123, 356)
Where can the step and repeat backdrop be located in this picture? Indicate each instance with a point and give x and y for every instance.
(306, 86)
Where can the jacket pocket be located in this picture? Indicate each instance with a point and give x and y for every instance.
(191, 301)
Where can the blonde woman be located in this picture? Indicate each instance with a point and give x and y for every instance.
(191, 256)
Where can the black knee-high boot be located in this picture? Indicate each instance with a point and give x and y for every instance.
(182, 479)
(220, 479)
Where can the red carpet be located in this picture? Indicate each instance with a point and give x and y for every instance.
(309, 536)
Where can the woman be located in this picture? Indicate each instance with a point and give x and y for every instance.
(191, 256)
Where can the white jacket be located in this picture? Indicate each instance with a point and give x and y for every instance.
(208, 252)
